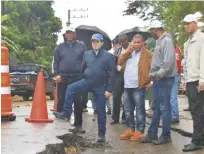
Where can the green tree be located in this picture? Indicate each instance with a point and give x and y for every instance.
(33, 28)
(170, 13)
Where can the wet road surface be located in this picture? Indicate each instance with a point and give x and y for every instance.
(20, 137)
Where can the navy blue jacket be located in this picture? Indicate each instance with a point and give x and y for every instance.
(68, 58)
(99, 69)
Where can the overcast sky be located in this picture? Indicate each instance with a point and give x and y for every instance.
(105, 14)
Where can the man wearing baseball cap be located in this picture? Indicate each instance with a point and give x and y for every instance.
(163, 71)
(194, 79)
(67, 66)
(98, 70)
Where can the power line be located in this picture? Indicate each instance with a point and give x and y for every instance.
(76, 10)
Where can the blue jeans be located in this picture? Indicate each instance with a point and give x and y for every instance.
(174, 100)
(107, 104)
(161, 105)
(135, 98)
(83, 86)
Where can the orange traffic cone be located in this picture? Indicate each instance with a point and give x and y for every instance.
(39, 106)
(6, 105)
(56, 99)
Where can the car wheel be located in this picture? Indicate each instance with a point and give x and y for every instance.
(26, 98)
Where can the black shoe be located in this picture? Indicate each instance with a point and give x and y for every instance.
(123, 122)
(148, 139)
(61, 116)
(101, 139)
(162, 140)
(192, 147)
(114, 122)
(108, 112)
(77, 129)
(175, 121)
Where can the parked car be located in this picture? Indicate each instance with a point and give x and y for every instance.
(23, 78)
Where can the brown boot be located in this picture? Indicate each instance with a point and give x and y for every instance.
(127, 135)
(137, 136)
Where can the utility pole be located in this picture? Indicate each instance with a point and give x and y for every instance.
(82, 16)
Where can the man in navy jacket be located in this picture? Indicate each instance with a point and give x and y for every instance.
(67, 63)
(98, 68)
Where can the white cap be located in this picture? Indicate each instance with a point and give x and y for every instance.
(70, 29)
(155, 24)
(198, 15)
(190, 18)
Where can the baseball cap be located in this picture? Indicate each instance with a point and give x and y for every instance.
(97, 37)
(70, 29)
(155, 24)
(190, 18)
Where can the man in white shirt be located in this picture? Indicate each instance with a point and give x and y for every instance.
(137, 61)
(194, 80)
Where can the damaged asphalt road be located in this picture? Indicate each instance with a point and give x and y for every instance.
(54, 138)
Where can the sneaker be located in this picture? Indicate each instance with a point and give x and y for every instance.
(61, 116)
(137, 136)
(162, 140)
(127, 134)
(101, 139)
(148, 139)
(85, 110)
(192, 147)
(175, 121)
(77, 129)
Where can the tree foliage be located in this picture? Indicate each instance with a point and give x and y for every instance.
(171, 13)
(33, 28)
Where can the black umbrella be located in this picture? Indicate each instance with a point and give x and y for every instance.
(131, 32)
(85, 32)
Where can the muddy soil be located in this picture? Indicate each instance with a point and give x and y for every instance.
(73, 144)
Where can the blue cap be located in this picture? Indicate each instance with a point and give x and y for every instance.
(97, 37)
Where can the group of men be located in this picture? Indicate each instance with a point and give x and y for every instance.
(128, 72)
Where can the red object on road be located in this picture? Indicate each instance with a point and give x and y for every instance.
(6, 105)
(178, 58)
(39, 111)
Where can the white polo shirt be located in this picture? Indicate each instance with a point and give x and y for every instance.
(131, 71)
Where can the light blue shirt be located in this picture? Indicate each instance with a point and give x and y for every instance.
(131, 70)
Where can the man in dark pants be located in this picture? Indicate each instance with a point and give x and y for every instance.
(119, 82)
(85, 101)
(194, 78)
(67, 65)
(98, 76)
